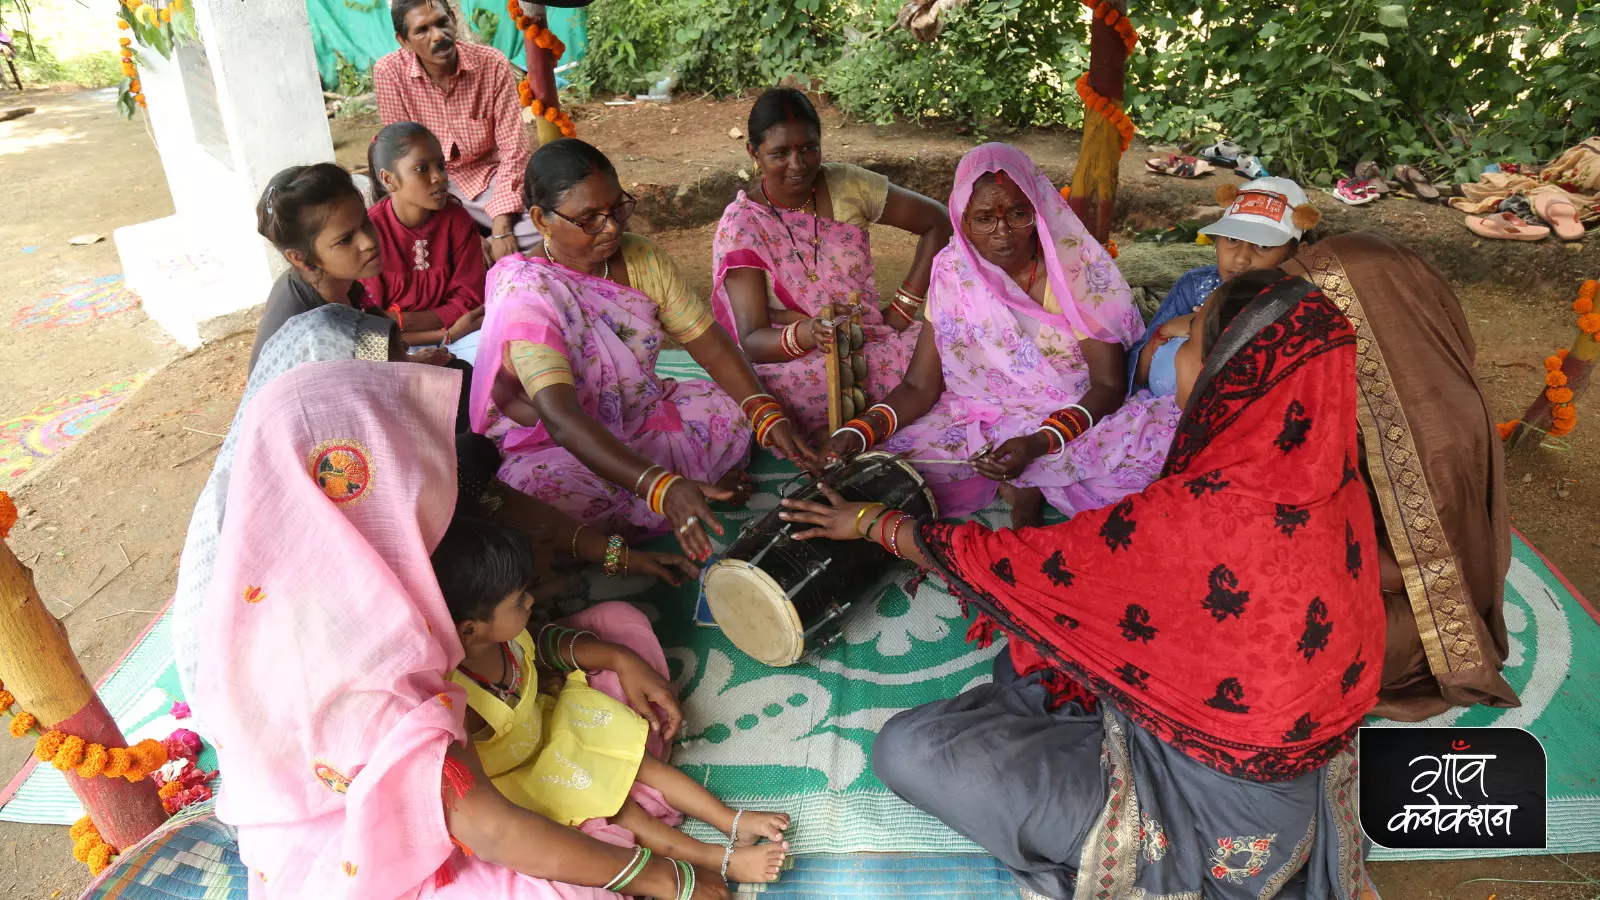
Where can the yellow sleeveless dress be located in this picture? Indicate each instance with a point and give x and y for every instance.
(570, 757)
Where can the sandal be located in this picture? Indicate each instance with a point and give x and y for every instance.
(1180, 166)
(1223, 153)
(1505, 227)
(1354, 191)
(1411, 177)
(1561, 213)
(1369, 172)
(1248, 166)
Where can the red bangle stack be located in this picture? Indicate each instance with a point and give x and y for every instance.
(765, 414)
(789, 341)
(906, 303)
(889, 530)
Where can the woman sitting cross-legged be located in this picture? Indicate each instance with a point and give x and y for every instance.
(1021, 369)
(568, 355)
(1188, 668)
(800, 240)
(325, 647)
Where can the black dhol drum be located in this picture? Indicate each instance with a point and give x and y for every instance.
(778, 599)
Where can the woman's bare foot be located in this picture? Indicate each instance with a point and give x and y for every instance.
(758, 864)
(739, 482)
(1027, 505)
(754, 824)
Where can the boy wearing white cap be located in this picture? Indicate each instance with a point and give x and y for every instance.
(1261, 228)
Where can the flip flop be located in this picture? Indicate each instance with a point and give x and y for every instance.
(1180, 166)
(1373, 175)
(1505, 227)
(1561, 213)
(1412, 177)
(1247, 166)
(1354, 191)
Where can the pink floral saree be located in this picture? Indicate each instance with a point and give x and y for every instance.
(751, 236)
(1008, 363)
(325, 642)
(611, 336)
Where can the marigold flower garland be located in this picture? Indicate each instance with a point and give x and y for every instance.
(1092, 99)
(1563, 415)
(546, 39)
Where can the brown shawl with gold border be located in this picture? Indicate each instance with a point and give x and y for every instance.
(1437, 471)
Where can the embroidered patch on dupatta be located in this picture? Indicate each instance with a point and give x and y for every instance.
(331, 778)
(343, 470)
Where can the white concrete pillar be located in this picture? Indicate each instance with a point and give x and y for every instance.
(227, 116)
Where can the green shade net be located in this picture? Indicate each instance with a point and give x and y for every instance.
(361, 31)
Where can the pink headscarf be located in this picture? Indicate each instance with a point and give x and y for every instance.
(1095, 299)
(325, 640)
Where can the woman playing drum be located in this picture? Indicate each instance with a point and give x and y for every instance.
(568, 354)
(1024, 353)
(1188, 668)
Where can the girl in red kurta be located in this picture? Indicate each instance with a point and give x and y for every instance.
(433, 273)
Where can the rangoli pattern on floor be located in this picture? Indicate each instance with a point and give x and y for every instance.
(50, 428)
(78, 304)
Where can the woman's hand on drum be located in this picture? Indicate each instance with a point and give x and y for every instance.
(834, 520)
(686, 508)
(646, 690)
(1011, 458)
(788, 444)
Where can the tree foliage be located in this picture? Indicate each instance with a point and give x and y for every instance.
(1313, 88)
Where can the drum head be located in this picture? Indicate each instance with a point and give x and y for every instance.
(752, 611)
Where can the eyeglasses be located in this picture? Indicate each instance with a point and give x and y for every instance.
(1016, 220)
(595, 223)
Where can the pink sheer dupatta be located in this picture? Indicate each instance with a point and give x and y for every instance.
(325, 640)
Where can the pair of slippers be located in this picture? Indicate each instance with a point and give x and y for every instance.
(1370, 175)
(1509, 225)
(1178, 166)
(1232, 156)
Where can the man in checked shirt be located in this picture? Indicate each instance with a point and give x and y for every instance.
(466, 94)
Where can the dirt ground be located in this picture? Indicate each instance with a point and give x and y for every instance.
(128, 486)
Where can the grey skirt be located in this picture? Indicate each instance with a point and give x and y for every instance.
(1089, 805)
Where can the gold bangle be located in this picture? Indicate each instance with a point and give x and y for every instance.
(864, 510)
(575, 533)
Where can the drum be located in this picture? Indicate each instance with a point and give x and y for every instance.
(779, 599)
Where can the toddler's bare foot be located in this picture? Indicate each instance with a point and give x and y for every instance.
(754, 823)
(757, 864)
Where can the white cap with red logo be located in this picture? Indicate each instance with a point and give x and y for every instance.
(1268, 212)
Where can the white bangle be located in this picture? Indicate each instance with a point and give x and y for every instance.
(1086, 414)
(1059, 437)
(865, 444)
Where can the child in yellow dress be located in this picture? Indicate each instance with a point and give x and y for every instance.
(569, 751)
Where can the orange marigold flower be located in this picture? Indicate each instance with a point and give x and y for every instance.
(123, 24)
(166, 14)
(1552, 363)
(1565, 414)
(169, 790)
(48, 745)
(82, 827)
(126, 42)
(94, 761)
(8, 514)
(1562, 353)
(22, 724)
(1590, 290)
(150, 753)
(1583, 305)
(1560, 430)
(1589, 323)
(6, 700)
(70, 753)
(1556, 378)
(1559, 395)
(117, 761)
(99, 858)
(129, 70)
(84, 844)
(1506, 429)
